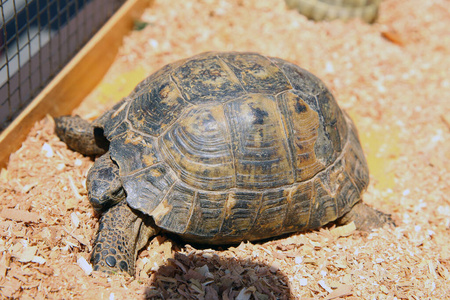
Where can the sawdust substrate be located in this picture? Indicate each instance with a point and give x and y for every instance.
(393, 79)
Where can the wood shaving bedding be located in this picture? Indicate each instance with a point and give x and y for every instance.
(391, 77)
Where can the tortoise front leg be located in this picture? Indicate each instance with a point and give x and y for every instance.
(121, 234)
(122, 231)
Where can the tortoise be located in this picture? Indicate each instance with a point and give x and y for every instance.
(320, 10)
(220, 148)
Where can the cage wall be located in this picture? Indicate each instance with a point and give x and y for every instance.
(37, 38)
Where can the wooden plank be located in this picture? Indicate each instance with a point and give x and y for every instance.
(75, 81)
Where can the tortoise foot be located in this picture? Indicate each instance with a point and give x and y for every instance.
(366, 218)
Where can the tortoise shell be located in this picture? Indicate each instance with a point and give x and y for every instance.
(319, 10)
(223, 147)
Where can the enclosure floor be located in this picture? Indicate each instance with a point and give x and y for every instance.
(392, 77)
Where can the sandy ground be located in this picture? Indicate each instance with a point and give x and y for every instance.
(392, 77)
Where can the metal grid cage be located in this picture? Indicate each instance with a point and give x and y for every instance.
(37, 38)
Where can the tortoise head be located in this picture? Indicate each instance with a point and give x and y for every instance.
(104, 184)
(80, 135)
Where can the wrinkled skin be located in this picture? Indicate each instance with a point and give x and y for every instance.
(79, 136)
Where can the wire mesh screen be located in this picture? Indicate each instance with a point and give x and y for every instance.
(37, 38)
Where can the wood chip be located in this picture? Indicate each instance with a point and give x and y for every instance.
(274, 267)
(81, 239)
(48, 151)
(74, 188)
(446, 120)
(246, 293)
(324, 286)
(393, 36)
(4, 263)
(45, 270)
(84, 265)
(344, 230)
(39, 260)
(341, 291)
(167, 279)
(27, 254)
(19, 215)
(75, 220)
(11, 287)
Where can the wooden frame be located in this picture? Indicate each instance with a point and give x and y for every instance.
(76, 80)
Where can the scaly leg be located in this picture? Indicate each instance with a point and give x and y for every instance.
(121, 234)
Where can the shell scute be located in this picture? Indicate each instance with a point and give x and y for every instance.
(271, 214)
(258, 142)
(133, 151)
(301, 124)
(241, 210)
(299, 206)
(198, 149)
(152, 183)
(149, 111)
(207, 215)
(299, 78)
(207, 78)
(174, 211)
(256, 73)
(112, 122)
